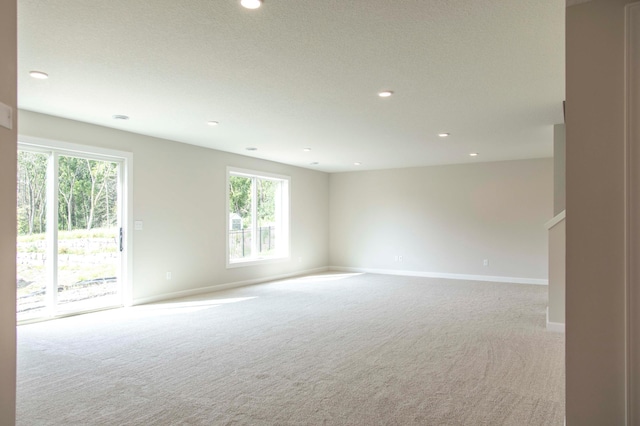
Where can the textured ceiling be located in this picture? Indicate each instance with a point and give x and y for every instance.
(298, 73)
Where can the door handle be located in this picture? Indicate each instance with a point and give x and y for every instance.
(121, 239)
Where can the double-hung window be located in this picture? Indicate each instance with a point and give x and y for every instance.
(258, 217)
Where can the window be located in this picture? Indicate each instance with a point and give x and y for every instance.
(258, 217)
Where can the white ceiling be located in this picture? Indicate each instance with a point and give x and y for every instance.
(302, 73)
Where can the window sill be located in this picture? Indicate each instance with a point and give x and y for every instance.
(257, 261)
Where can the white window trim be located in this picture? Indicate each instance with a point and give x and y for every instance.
(286, 212)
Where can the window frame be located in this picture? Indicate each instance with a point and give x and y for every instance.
(281, 255)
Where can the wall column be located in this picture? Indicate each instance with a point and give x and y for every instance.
(8, 147)
(596, 213)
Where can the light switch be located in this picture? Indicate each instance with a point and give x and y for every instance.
(6, 116)
(137, 225)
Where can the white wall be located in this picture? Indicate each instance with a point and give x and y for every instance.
(445, 219)
(557, 273)
(559, 169)
(179, 194)
(8, 87)
(557, 234)
(595, 309)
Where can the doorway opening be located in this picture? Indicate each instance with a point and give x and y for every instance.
(71, 213)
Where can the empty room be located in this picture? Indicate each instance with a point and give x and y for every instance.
(276, 212)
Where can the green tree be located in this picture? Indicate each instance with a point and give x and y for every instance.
(100, 173)
(240, 198)
(32, 176)
(68, 174)
(266, 198)
(87, 192)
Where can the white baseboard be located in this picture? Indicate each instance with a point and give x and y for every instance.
(558, 327)
(514, 280)
(226, 286)
(219, 287)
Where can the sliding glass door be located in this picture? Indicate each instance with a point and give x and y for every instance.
(70, 232)
(32, 249)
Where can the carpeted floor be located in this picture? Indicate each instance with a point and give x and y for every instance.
(334, 349)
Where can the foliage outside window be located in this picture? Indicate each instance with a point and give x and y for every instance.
(258, 223)
(86, 188)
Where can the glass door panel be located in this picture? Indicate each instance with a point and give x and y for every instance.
(88, 235)
(32, 245)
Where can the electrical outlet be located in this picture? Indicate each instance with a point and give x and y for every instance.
(395, 258)
(399, 258)
(168, 275)
(485, 262)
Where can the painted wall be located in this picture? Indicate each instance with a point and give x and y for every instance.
(8, 96)
(633, 134)
(557, 234)
(445, 219)
(557, 272)
(559, 168)
(595, 309)
(179, 194)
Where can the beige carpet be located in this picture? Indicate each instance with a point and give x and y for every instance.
(336, 349)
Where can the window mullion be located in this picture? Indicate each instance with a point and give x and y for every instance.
(52, 233)
(254, 218)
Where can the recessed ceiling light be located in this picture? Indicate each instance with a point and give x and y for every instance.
(357, 163)
(473, 154)
(385, 93)
(443, 135)
(315, 163)
(251, 148)
(120, 117)
(39, 75)
(212, 123)
(307, 149)
(251, 4)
